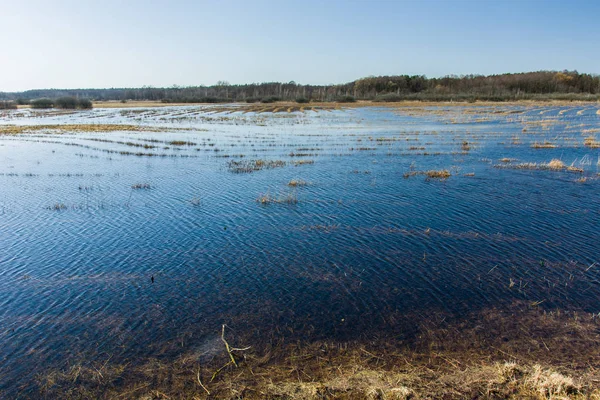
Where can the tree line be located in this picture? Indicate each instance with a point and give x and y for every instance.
(566, 85)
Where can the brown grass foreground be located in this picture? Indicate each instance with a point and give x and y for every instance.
(521, 353)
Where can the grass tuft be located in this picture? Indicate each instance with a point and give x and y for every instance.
(247, 166)
(141, 186)
(545, 145)
(438, 174)
(555, 163)
(289, 198)
(297, 182)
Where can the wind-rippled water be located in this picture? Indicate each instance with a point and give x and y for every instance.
(367, 244)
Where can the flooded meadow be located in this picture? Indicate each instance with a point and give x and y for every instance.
(300, 251)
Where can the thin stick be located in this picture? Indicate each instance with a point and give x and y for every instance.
(219, 370)
(244, 349)
(227, 346)
(200, 382)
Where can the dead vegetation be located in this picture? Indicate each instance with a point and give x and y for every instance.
(591, 142)
(544, 145)
(247, 166)
(71, 128)
(441, 174)
(287, 198)
(553, 165)
(521, 352)
(297, 182)
(303, 162)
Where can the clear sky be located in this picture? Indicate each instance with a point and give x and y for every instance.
(131, 43)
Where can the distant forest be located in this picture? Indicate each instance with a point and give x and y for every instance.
(542, 85)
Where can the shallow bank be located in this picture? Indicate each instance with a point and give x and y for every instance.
(520, 352)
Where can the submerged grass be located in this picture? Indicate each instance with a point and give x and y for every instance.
(57, 207)
(141, 186)
(297, 182)
(553, 165)
(519, 353)
(441, 174)
(303, 162)
(288, 198)
(247, 166)
(544, 145)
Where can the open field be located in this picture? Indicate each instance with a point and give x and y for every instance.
(301, 251)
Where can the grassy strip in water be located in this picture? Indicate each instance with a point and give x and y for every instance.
(247, 166)
(441, 174)
(70, 128)
(554, 165)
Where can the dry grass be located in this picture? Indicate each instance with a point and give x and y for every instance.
(438, 174)
(591, 142)
(288, 198)
(303, 162)
(555, 163)
(513, 354)
(571, 168)
(134, 104)
(500, 380)
(297, 182)
(247, 166)
(545, 145)
(441, 174)
(70, 128)
(181, 143)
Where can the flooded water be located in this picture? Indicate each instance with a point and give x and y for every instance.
(365, 242)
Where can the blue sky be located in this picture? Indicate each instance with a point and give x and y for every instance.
(131, 43)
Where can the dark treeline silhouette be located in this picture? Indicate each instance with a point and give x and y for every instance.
(542, 85)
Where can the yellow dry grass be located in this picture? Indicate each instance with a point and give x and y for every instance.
(452, 361)
(438, 174)
(79, 128)
(70, 128)
(134, 104)
(555, 163)
(297, 182)
(545, 145)
(591, 142)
